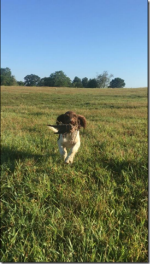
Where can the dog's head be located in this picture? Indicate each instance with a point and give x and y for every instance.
(72, 118)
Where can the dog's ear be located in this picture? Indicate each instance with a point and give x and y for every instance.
(60, 119)
(81, 121)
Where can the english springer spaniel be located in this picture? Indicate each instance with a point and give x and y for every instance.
(69, 139)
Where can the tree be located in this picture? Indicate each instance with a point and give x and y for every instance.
(77, 82)
(103, 79)
(6, 78)
(117, 83)
(92, 83)
(31, 80)
(59, 79)
(85, 82)
(20, 83)
(44, 81)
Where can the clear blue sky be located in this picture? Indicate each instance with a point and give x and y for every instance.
(80, 37)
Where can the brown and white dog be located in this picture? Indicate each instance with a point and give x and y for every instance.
(69, 140)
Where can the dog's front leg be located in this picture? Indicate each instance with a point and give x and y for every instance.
(63, 151)
(73, 151)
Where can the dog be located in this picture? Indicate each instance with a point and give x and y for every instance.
(69, 140)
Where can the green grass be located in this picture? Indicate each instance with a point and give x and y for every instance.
(92, 211)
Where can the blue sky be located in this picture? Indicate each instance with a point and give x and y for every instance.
(80, 37)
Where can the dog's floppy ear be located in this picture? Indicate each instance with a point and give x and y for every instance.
(60, 119)
(81, 121)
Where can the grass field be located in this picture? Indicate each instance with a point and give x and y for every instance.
(95, 210)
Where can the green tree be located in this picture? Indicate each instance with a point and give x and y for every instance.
(44, 82)
(77, 82)
(92, 83)
(103, 79)
(59, 79)
(31, 80)
(20, 83)
(117, 83)
(85, 82)
(6, 78)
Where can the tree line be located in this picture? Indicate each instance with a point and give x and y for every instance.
(59, 79)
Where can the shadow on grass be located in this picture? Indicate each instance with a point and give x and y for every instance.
(138, 168)
(117, 167)
(9, 156)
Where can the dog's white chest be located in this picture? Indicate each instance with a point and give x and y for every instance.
(68, 140)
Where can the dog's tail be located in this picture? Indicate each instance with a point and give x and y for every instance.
(52, 128)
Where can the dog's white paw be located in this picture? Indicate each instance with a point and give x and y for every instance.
(69, 160)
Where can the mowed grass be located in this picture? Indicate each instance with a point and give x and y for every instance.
(95, 210)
